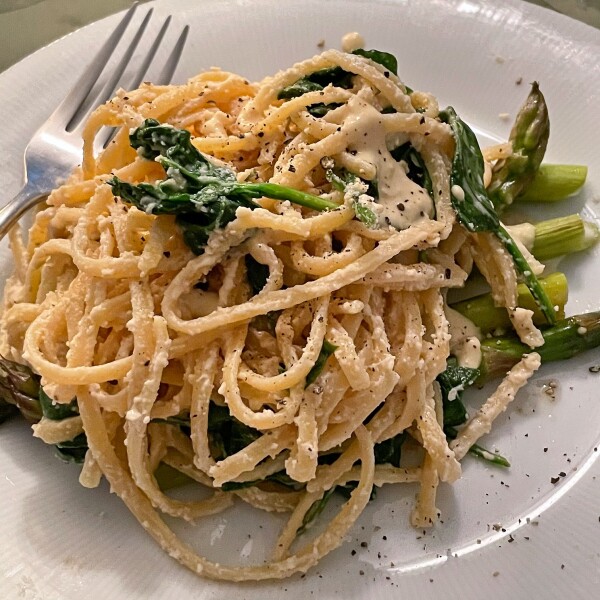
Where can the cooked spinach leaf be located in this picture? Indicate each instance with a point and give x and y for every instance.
(390, 451)
(385, 59)
(476, 211)
(453, 381)
(55, 411)
(327, 349)
(73, 450)
(335, 76)
(256, 273)
(202, 195)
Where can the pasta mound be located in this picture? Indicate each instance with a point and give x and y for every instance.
(111, 307)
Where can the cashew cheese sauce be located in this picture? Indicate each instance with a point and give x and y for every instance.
(465, 339)
(401, 202)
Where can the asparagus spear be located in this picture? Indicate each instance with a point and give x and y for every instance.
(482, 311)
(476, 211)
(554, 182)
(556, 237)
(563, 235)
(19, 387)
(551, 238)
(529, 137)
(567, 338)
(564, 340)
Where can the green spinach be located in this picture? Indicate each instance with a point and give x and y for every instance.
(202, 195)
(476, 211)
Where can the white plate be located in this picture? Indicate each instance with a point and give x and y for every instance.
(60, 541)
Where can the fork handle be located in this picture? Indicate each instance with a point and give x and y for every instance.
(27, 198)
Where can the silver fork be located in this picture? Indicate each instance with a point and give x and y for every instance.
(56, 147)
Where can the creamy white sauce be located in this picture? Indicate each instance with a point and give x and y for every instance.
(458, 192)
(523, 232)
(401, 201)
(352, 41)
(524, 236)
(460, 327)
(465, 339)
(468, 353)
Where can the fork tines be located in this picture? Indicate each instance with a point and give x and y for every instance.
(110, 69)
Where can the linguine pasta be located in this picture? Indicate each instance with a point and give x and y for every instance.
(111, 307)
